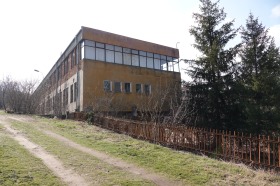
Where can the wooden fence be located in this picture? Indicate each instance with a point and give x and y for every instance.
(260, 151)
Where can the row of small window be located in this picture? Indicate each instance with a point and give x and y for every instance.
(116, 54)
(118, 87)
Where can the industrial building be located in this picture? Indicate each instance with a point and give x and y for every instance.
(98, 68)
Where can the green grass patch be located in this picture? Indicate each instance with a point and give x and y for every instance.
(19, 167)
(190, 168)
(94, 170)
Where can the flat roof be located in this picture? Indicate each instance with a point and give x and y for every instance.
(127, 42)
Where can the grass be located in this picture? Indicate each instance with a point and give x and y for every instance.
(19, 167)
(190, 168)
(95, 171)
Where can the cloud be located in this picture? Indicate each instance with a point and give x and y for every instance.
(274, 31)
(276, 11)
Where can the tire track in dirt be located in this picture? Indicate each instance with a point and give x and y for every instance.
(143, 173)
(67, 175)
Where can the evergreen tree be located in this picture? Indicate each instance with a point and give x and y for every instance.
(260, 70)
(214, 91)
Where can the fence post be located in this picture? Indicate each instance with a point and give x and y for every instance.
(250, 147)
(259, 148)
(278, 151)
(234, 145)
(268, 150)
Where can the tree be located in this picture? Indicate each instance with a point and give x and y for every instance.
(16, 96)
(260, 75)
(213, 90)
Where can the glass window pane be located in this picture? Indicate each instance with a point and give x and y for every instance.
(89, 52)
(163, 65)
(117, 48)
(89, 43)
(143, 61)
(147, 89)
(127, 87)
(82, 53)
(138, 88)
(157, 56)
(107, 85)
(169, 58)
(157, 64)
(150, 54)
(100, 54)
(109, 47)
(176, 65)
(118, 57)
(150, 62)
(110, 56)
(127, 50)
(134, 51)
(170, 66)
(135, 60)
(100, 45)
(127, 59)
(163, 57)
(142, 53)
(117, 87)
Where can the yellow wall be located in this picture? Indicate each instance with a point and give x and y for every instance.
(95, 72)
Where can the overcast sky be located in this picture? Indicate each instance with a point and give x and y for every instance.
(35, 32)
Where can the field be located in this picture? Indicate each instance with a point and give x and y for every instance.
(95, 156)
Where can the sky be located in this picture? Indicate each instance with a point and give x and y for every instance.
(35, 32)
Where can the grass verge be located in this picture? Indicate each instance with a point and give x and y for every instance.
(19, 167)
(190, 168)
(93, 170)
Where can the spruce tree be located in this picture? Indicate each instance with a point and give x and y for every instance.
(214, 92)
(260, 70)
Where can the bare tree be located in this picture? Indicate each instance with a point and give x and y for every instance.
(16, 95)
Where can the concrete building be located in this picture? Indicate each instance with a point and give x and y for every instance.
(100, 67)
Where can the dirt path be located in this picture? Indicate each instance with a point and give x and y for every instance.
(156, 178)
(67, 175)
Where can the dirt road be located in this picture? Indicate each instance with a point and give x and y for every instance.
(68, 175)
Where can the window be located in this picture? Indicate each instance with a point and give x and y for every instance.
(75, 91)
(157, 63)
(100, 45)
(118, 57)
(127, 59)
(147, 89)
(107, 85)
(143, 61)
(135, 60)
(117, 87)
(109, 47)
(65, 96)
(127, 87)
(71, 94)
(138, 88)
(89, 52)
(100, 54)
(118, 49)
(110, 57)
(150, 62)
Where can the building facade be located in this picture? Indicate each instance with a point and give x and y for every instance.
(100, 70)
